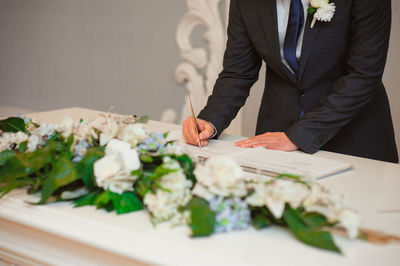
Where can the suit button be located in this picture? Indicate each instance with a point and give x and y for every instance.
(301, 93)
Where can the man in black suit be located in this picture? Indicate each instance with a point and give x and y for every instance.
(331, 98)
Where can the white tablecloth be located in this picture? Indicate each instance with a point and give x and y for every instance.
(59, 234)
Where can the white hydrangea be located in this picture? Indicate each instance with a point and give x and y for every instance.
(164, 204)
(175, 148)
(45, 130)
(133, 134)
(33, 143)
(83, 131)
(113, 171)
(219, 176)
(7, 139)
(276, 193)
(66, 127)
(334, 208)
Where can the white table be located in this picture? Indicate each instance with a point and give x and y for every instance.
(62, 235)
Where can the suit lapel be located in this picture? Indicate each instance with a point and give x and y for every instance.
(268, 17)
(310, 36)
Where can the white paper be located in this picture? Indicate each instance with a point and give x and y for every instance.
(278, 162)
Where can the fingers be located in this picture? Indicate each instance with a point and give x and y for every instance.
(256, 140)
(189, 132)
(206, 129)
(270, 140)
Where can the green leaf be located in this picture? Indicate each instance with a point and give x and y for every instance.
(260, 221)
(314, 220)
(311, 236)
(13, 185)
(202, 218)
(12, 124)
(5, 155)
(22, 146)
(105, 198)
(63, 173)
(187, 166)
(146, 158)
(88, 199)
(311, 10)
(85, 166)
(127, 202)
(24, 164)
(143, 119)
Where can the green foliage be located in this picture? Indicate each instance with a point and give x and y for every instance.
(187, 165)
(259, 219)
(150, 179)
(309, 232)
(202, 218)
(12, 124)
(22, 146)
(85, 166)
(146, 158)
(311, 10)
(127, 202)
(7, 187)
(121, 203)
(5, 155)
(24, 164)
(63, 173)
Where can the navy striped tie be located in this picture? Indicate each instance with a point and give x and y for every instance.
(294, 27)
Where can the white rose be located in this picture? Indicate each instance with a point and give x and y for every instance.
(106, 168)
(113, 171)
(318, 3)
(276, 194)
(222, 177)
(129, 156)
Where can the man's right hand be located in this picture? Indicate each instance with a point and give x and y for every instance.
(206, 130)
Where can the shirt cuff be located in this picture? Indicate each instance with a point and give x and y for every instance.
(215, 131)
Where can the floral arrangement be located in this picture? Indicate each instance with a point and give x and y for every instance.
(321, 10)
(113, 163)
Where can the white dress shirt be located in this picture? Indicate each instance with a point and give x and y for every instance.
(282, 10)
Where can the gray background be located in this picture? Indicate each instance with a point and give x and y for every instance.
(97, 53)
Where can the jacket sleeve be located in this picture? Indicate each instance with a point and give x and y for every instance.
(240, 70)
(365, 63)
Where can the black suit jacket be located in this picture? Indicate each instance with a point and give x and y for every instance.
(339, 87)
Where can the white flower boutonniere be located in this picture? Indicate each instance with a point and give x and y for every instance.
(321, 10)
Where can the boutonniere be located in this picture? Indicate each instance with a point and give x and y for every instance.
(321, 10)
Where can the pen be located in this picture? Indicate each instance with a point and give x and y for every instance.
(194, 119)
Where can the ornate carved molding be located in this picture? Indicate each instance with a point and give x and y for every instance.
(201, 66)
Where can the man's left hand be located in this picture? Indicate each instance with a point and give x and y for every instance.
(270, 140)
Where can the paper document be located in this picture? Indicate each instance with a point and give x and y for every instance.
(271, 161)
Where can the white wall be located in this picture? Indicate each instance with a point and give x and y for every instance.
(90, 53)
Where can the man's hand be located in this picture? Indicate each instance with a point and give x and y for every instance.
(206, 130)
(270, 140)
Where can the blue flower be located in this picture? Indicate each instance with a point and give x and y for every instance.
(231, 214)
(80, 150)
(154, 143)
